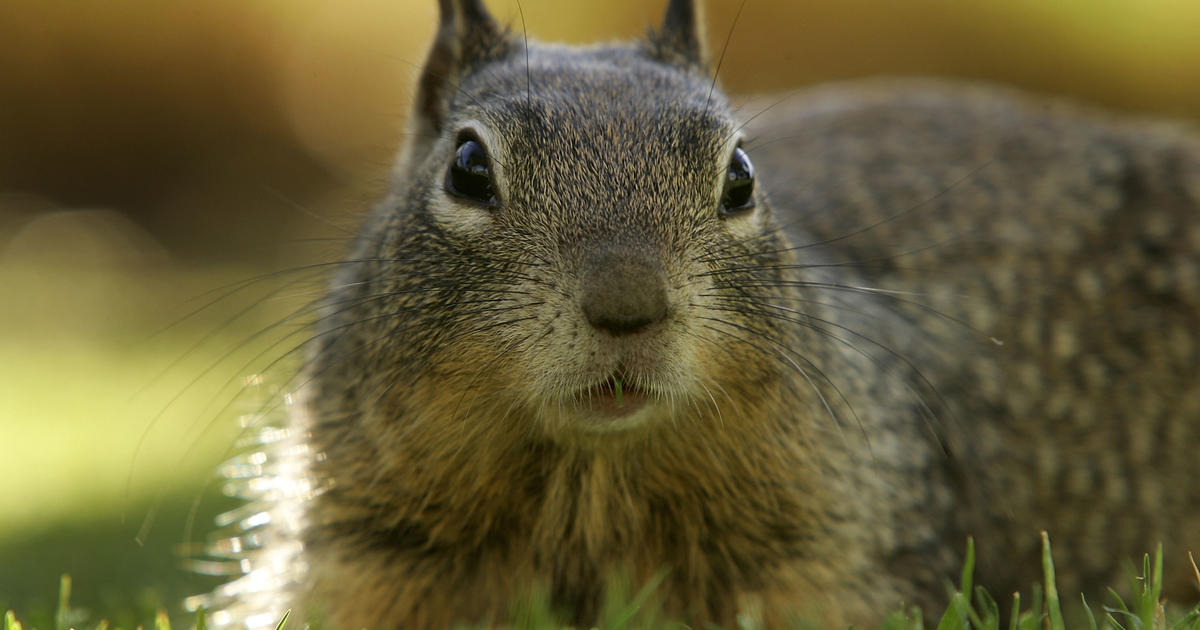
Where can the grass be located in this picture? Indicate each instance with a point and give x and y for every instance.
(971, 607)
(83, 371)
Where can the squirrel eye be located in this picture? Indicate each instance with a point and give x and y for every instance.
(470, 175)
(739, 184)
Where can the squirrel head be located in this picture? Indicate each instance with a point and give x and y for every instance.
(575, 236)
(468, 37)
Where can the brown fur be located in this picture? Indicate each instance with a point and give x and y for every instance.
(828, 421)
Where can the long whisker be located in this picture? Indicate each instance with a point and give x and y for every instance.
(893, 296)
(784, 354)
(528, 72)
(490, 264)
(817, 324)
(778, 351)
(229, 290)
(721, 60)
(865, 262)
(298, 207)
(254, 336)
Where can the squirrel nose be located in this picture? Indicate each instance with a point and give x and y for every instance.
(624, 291)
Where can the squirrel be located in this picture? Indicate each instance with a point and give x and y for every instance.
(785, 358)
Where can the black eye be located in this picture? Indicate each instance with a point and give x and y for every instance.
(739, 184)
(470, 175)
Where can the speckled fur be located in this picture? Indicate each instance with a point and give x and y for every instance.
(1070, 235)
(820, 446)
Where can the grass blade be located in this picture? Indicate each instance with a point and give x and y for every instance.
(1052, 605)
(985, 615)
(968, 572)
(64, 603)
(1088, 609)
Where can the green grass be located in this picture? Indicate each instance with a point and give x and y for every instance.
(971, 607)
(88, 358)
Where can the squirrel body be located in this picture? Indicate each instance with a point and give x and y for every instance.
(566, 348)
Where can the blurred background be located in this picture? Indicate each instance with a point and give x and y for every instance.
(154, 156)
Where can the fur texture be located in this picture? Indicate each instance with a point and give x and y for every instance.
(967, 274)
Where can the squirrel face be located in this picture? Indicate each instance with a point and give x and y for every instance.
(576, 226)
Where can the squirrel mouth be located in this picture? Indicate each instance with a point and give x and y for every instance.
(615, 396)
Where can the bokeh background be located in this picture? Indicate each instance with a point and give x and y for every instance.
(153, 154)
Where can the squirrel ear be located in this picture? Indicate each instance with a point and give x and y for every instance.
(682, 37)
(466, 35)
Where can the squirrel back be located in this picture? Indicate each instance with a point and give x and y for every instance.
(784, 362)
(1041, 262)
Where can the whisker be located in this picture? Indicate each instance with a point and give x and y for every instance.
(208, 336)
(499, 355)
(229, 290)
(893, 296)
(350, 304)
(291, 203)
(865, 262)
(803, 430)
(811, 322)
(721, 60)
(528, 72)
(785, 351)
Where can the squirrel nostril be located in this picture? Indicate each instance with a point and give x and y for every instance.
(623, 296)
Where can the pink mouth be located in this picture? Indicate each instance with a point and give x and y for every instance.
(615, 397)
